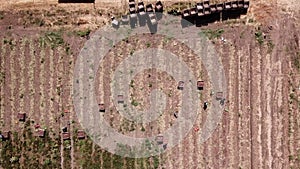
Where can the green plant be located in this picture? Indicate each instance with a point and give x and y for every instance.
(148, 44)
(296, 61)
(212, 34)
(58, 91)
(68, 50)
(8, 41)
(126, 40)
(292, 96)
(259, 37)
(38, 22)
(14, 159)
(170, 94)
(83, 33)
(156, 161)
(54, 39)
(242, 34)
(270, 46)
(1, 16)
(291, 157)
(42, 41)
(166, 40)
(134, 103)
(250, 20)
(132, 83)
(131, 52)
(47, 161)
(2, 77)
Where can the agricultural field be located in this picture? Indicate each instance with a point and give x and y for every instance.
(260, 125)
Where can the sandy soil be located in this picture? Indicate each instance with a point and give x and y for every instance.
(259, 129)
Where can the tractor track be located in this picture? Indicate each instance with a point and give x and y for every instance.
(7, 90)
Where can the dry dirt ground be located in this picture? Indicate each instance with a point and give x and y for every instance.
(260, 127)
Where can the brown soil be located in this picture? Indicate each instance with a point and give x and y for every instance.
(259, 129)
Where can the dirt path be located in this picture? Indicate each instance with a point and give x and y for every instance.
(42, 79)
(69, 74)
(35, 97)
(13, 114)
(22, 99)
(2, 107)
(244, 107)
(31, 67)
(59, 70)
(8, 95)
(2, 68)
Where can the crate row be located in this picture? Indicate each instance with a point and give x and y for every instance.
(205, 8)
(39, 131)
(180, 86)
(140, 13)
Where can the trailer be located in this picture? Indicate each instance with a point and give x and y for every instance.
(227, 5)
(131, 6)
(206, 3)
(159, 7)
(160, 139)
(186, 14)
(219, 96)
(220, 7)
(241, 4)
(132, 14)
(5, 135)
(80, 134)
(199, 6)
(141, 14)
(101, 107)
(120, 99)
(246, 4)
(41, 133)
(66, 136)
(193, 12)
(180, 85)
(141, 9)
(151, 14)
(124, 19)
(21, 116)
(200, 85)
(234, 4)
(213, 8)
(207, 11)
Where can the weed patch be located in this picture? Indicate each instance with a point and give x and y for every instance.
(259, 37)
(296, 61)
(54, 39)
(212, 34)
(83, 33)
